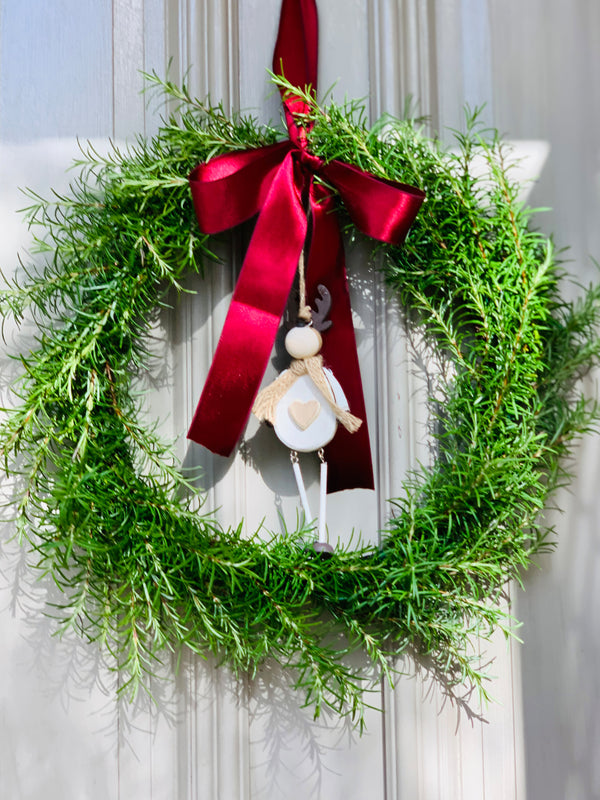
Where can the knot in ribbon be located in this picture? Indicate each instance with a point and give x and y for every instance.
(311, 164)
(277, 183)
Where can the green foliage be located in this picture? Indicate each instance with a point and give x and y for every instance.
(106, 510)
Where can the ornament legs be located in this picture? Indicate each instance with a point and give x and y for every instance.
(321, 545)
(301, 488)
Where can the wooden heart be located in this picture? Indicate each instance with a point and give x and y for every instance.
(304, 414)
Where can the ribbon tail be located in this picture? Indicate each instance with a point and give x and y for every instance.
(252, 321)
(349, 454)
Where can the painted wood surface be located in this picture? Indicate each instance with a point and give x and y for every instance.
(70, 68)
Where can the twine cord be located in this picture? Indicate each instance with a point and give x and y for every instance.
(304, 311)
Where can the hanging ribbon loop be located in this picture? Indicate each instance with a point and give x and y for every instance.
(271, 182)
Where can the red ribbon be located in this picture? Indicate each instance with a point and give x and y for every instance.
(274, 183)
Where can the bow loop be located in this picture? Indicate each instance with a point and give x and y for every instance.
(381, 208)
(231, 188)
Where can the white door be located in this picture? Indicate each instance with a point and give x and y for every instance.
(70, 68)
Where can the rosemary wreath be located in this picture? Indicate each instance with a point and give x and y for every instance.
(104, 508)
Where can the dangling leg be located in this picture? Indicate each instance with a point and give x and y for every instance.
(301, 488)
(323, 498)
(322, 546)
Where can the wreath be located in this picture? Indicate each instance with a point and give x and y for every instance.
(107, 511)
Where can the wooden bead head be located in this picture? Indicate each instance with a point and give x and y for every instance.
(303, 342)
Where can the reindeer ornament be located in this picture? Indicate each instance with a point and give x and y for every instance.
(306, 402)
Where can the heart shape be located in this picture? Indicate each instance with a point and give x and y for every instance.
(304, 414)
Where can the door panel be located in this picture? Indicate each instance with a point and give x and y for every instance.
(72, 69)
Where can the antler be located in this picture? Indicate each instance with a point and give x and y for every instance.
(323, 304)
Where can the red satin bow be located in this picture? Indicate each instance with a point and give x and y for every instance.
(275, 182)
